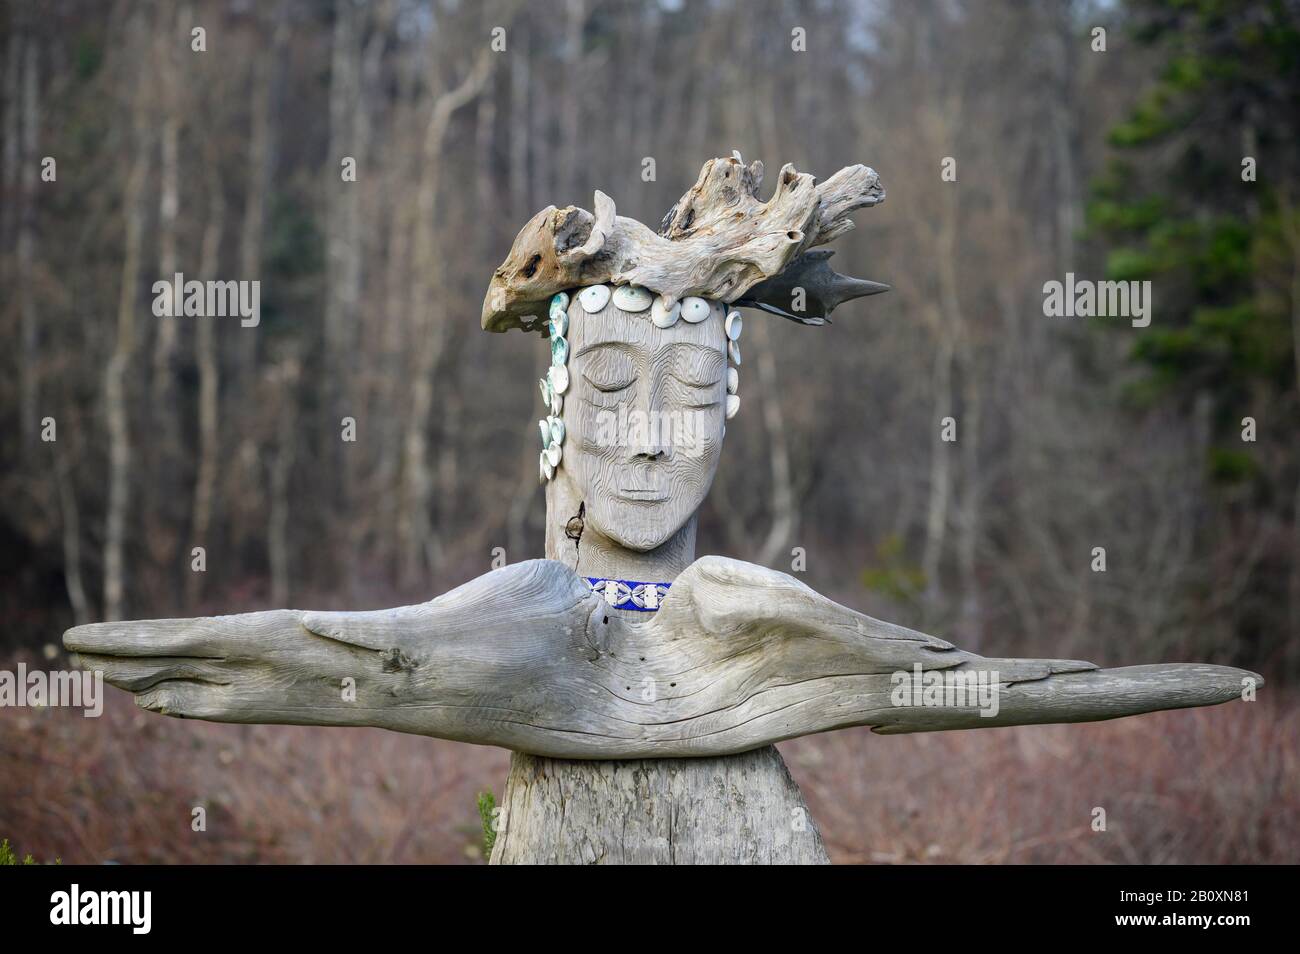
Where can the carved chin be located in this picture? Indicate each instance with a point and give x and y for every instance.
(639, 526)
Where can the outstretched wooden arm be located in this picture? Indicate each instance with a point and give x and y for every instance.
(526, 657)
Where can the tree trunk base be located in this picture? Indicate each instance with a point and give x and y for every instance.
(733, 809)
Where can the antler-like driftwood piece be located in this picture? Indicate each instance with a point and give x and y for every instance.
(527, 657)
(823, 289)
(717, 242)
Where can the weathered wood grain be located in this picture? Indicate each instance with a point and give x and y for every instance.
(738, 809)
(527, 658)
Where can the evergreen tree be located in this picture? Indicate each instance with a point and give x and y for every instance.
(1201, 199)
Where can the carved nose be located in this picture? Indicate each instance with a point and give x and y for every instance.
(650, 437)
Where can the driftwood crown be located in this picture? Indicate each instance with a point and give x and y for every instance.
(718, 242)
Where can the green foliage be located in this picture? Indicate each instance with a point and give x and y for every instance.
(295, 247)
(1176, 210)
(487, 804)
(88, 56)
(892, 575)
(8, 857)
(293, 260)
(1229, 466)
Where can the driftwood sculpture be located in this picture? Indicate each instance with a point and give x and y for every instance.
(640, 688)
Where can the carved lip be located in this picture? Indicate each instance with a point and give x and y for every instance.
(644, 495)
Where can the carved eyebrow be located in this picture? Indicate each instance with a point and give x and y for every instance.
(703, 350)
(623, 346)
(703, 367)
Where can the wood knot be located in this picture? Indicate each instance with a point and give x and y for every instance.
(397, 661)
(575, 525)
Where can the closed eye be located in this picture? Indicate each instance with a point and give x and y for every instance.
(697, 395)
(607, 367)
(609, 386)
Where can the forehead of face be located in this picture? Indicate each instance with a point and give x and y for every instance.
(703, 342)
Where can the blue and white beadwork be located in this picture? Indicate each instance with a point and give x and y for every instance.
(629, 594)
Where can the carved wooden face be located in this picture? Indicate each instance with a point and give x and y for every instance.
(644, 411)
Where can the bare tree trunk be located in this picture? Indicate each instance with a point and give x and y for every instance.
(164, 405)
(520, 125)
(521, 503)
(572, 158)
(286, 376)
(936, 523)
(963, 353)
(13, 139)
(1062, 120)
(343, 277)
(259, 170)
(27, 237)
(115, 398)
(785, 512)
(430, 325)
(164, 452)
(245, 525)
(1291, 224)
(396, 292)
(968, 536)
(71, 537)
(209, 383)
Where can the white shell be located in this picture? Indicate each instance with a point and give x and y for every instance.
(556, 430)
(560, 378)
(664, 317)
(733, 405)
(559, 323)
(560, 300)
(557, 404)
(544, 469)
(553, 454)
(545, 428)
(633, 298)
(733, 351)
(593, 298)
(733, 381)
(694, 310)
(734, 325)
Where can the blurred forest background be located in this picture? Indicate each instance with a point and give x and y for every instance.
(1073, 434)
